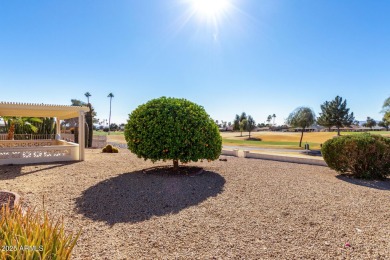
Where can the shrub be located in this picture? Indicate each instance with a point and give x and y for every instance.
(172, 129)
(33, 235)
(363, 155)
(110, 149)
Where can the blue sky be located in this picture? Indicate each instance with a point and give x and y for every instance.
(260, 56)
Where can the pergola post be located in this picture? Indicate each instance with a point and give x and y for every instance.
(81, 135)
(58, 127)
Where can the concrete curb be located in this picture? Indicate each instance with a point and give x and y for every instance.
(272, 157)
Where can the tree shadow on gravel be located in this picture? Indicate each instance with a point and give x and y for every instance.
(8, 172)
(375, 184)
(137, 196)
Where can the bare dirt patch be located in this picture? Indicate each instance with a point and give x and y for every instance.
(239, 208)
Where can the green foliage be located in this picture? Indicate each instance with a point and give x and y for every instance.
(370, 122)
(87, 94)
(302, 117)
(386, 105)
(33, 235)
(385, 121)
(269, 118)
(335, 113)
(325, 118)
(243, 116)
(251, 125)
(172, 129)
(238, 121)
(243, 125)
(362, 155)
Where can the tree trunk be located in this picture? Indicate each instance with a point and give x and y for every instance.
(11, 132)
(249, 134)
(241, 133)
(89, 121)
(109, 119)
(175, 165)
(338, 131)
(300, 142)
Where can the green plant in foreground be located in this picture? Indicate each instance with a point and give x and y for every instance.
(172, 129)
(33, 235)
(364, 155)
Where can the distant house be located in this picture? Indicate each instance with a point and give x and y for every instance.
(227, 128)
(355, 128)
(313, 128)
(265, 128)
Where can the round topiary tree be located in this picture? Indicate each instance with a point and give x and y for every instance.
(363, 155)
(172, 129)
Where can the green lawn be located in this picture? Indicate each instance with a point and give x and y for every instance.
(371, 132)
(106, 133)
(119, 137)
(311, 138)
(268, 144)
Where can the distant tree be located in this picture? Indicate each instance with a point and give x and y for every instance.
(114, 127)
(251, 125)
(335, 113)
(356, 123)
(109, 118)
(243, 125)
(302, 117)
(273, 116)
(386, 105)
(385, 124)
(230, 124)
(243, 116)
(325, 117)
(87, 94)
(261, 125)
(224, 124)
(269, 118)
(370, 122)
(236, 123)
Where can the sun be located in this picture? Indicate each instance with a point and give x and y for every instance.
(210, 8)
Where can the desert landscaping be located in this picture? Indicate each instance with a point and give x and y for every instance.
(239, 208)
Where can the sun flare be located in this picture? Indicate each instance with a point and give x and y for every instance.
(210, 8)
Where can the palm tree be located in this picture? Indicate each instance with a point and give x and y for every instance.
(23, 121)
(269, 119)
(87, 94)
(109, 118)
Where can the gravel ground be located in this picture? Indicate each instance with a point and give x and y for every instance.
(238, 209)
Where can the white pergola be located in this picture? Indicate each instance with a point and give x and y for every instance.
(60, 112)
